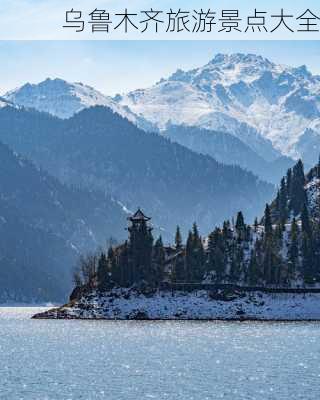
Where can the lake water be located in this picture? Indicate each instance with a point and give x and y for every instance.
(62, 360)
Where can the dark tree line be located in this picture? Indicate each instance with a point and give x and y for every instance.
(282, 250)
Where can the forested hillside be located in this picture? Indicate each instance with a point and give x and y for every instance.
(44, 227)
(228, 149)
(280, 251)
(104, 151)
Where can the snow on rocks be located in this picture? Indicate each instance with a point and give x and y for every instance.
(126, 304)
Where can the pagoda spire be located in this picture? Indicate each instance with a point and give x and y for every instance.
(139, 216)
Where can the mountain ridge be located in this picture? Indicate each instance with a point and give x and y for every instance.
(104, 151)
(237, 93)
(64, 99)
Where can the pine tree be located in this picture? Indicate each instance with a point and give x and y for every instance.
(293, 251)
(283, 201)
(267, 222)
(276, 207)
(103, 273)
(189, 257)
(226, 231)
(113, 267)
(239, 221)
(158, 262)
(216, 261)
(256, 224)
(195, 232)
(289, 181)
(297, 192)
(195, 257)
(178, 239)
(240, 226)
(305, 221)
(252, 278)
(236, 261)
(258, 262)
(271, 246)
(124, 275)
(307, 254)
(307, 251)
(316, 249)
(179, 268)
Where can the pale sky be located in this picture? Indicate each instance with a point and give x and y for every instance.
(121, 66)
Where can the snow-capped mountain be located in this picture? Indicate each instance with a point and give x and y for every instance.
(246, 95)
(273, 109)
(6, 103)
(63, 99)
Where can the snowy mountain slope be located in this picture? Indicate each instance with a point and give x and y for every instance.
(246, 95)
(63, 99)
(6, 103)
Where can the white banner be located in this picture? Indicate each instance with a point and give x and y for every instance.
(159, 20)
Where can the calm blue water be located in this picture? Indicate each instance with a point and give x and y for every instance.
(64, 360)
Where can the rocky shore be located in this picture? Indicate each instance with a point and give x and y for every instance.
(130, 304)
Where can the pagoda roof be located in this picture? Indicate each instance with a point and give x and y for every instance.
(139, 216)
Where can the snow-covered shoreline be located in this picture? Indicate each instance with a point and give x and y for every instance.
(124, 304)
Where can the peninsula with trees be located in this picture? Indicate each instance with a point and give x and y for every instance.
(268, 270)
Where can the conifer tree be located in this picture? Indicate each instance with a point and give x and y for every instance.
(195, 255)
(283, 201)
(252, 278)
(316, 250)
(289, 181)
(267, 222)
(240, 226)
(189, 257)
(226, 231)
(297, 192)
(158, 262)
(236, 262)
(178, 239)
(307, 254)
(256, 224)
(293, 251)
(307, 251)
(179, 268)
(216, 261)
(239, 221)
(195, 232)
(103, 273)
(123, 275)
(258, 262)
(305, 221)
(268, 264)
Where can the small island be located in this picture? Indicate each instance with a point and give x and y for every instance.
(266, 271)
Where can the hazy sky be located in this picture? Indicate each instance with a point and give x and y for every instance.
(120, 66)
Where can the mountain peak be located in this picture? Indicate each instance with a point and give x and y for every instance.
(249, 58)
(63, 99)
(240, 66)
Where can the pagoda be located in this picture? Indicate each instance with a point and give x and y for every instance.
(138, 219)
